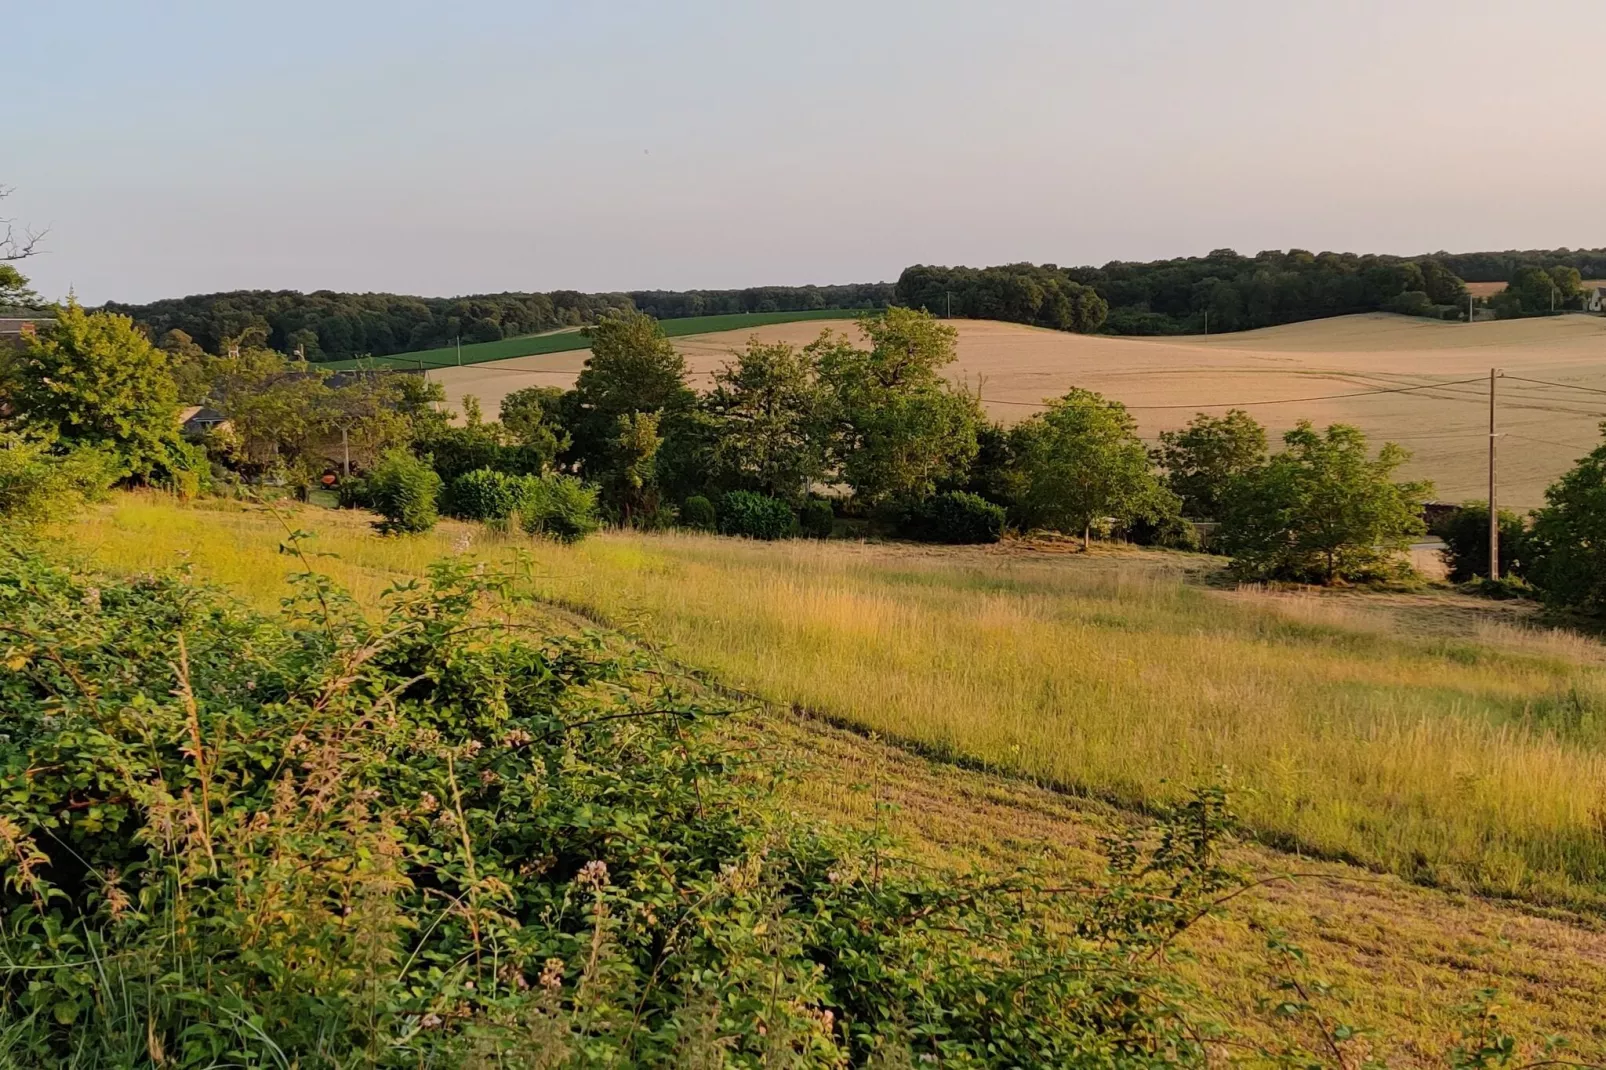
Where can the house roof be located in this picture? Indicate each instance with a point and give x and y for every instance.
(200, 414)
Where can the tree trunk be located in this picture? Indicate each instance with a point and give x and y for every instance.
(1087, 537)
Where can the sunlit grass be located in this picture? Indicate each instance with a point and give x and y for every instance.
(1475, 761)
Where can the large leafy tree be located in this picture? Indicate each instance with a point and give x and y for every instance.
(1081, 461)
(94, 379)
(1566, 549)
(766, 415)
(899, 428)
(1203, 457)
(633, 369)
(1322, 510)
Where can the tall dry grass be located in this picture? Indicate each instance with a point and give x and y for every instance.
(1477, 761)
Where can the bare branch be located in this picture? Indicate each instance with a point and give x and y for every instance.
(12, 245)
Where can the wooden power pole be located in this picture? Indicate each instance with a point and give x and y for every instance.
(1494, 510)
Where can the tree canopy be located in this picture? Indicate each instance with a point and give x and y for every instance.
(1322, 510)
(1201, 459)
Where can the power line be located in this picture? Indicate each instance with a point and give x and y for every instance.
(1279, 401)
(1562, 386)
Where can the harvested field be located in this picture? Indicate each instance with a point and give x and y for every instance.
(1166, 380)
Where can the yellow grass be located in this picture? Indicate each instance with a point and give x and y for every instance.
(1469, 757)
(1446, 428)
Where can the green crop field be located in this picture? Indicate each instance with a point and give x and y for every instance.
(569, 340)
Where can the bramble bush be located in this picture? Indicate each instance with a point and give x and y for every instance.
(406, 492)
(40, 484)
(954, 517)
(756, 516)
(427, 838)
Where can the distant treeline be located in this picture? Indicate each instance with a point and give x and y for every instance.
(326, 325)
(1501, 267)
(1175, 296)
(1231, 291)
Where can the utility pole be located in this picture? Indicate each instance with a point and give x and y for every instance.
(950, 295)
(1207, 321)
(459, 351)
(345, 449)
(1469, 308)
(1494, 511)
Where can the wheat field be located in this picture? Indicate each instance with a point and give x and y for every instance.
(1419, 735)
(1165, 381)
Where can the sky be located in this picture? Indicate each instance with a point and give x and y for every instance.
(489, 145)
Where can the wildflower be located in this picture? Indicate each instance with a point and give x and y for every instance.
(431, 1021)
(428, 803)
(552, 974)
(594, 873)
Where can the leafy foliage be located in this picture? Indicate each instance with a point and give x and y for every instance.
(559, 507)
(816, 518)
(755, 516)
(429, 840)
(40, 484)
(954, 517)
(485, 494)
(1466, 542)
(92, 379)
(899, 428)
(698, 512)
(406, 492)
(1081, 461)
(1202, 458)
(1567, 546)
(1322, 510)
(766, 415)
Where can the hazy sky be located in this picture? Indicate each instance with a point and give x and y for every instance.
(447, 148)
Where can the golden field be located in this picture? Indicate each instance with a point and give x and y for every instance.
(1427, 735)
(1165, 381)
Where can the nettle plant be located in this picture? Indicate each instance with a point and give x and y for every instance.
(431, 836)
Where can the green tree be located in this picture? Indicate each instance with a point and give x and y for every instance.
(1533, 289)
(1082, 461)
(1322, 510)
(14, 290)
(767, 412)
(633, 475)
(633, 372)
(406, 492)
(1569, 284)
(1567, 546)
(93, 379)
(535, 417)
(898, 427)
(1202, 458)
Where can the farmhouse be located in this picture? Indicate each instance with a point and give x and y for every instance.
(196, 420)
(1595, 299)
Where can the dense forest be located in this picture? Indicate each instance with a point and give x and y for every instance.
(1501, 267)
(325, 325)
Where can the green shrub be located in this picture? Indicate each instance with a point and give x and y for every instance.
(1466, 542)
(39, 484)
(816, 519)
(428, 840)
(560, 507)
(354, 492)
(755, 516)
(698, 512)
(405, 492)
(953, 517)
(485, 494)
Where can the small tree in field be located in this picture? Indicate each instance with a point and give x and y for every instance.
(1081, 461)
(1202, 458)
(1322, 510)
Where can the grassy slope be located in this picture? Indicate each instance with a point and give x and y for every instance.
(568, 341)
(1102, 642)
